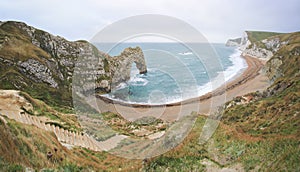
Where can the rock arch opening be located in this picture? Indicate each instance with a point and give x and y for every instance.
(121, 65)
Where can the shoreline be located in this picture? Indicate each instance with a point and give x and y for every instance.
(236, 54)
(250, 80)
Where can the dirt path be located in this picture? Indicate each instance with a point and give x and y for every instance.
(10, 106)
(251, 80)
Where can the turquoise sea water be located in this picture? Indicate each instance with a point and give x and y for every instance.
(174, 74)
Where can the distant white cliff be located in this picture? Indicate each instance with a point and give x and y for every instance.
(263, 49)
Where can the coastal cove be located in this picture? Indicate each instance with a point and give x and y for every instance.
(175, 72)
(250, 80)
(144, 106)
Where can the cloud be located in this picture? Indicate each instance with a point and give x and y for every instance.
(217, 20)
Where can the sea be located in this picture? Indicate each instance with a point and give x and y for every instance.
(174, 72)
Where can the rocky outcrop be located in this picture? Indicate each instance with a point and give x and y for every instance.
(274, 50)
(274, 44)
(284, 64)
(233, 42)
(263, 49)
(271, 69)
(37, 72)
(32, 58)
(51, 59)
(258, 52)
(120, 66)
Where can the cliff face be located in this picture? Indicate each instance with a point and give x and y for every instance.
(285, 61)
(264, 49)
(275, 111)
(258, 44)
(276, 48)
(234, 42)
(42, 64)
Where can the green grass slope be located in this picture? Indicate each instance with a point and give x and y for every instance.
(255, 36)
(20, 43)
(263, 135)
(25, 146)
(16, 46)
(277, 110)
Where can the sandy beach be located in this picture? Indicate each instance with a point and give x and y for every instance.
(250, 80)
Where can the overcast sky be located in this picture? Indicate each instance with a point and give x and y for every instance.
(217, 20)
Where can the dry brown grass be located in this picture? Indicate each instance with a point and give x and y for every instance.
(43, 108)
(22, 49)
(27, 145)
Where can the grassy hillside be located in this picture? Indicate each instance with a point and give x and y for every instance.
(16, 47)
(277, 110)
(24, 146)
(263, 135)
(64, 120)
(41, 64)
(274, 116)
(255, 36)
(17, 44)
(229, 148)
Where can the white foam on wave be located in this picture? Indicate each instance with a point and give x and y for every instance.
(121, 86)
(137, 81)
(185, 53)
(239, 64)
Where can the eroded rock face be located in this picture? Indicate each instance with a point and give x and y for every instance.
(37, 71)
(42, 58)
(264, 49)
(233, 42)
(271, 69)
(54, 58)
(258, 52)
(278, 51)
(274, 44)
(120, 66)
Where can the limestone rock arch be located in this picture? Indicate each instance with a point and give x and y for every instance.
(120, 66)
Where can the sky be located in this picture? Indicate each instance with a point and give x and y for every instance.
(217, 20)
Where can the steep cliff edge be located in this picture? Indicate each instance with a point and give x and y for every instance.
(42, 64)
(269, 46)
(258, 44)
(285, 60)
(273, 115)
(280, 102)
(263, 44)
(233, 42)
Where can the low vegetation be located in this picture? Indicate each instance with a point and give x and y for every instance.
(16, 46)
(139, 128)
(260, 135)
(255, 36)
(25, 146)
(59, 117)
